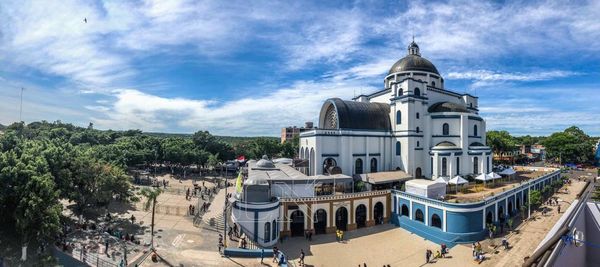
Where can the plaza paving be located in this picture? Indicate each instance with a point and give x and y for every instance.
(179, 242)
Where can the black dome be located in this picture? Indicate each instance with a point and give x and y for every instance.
(447, 107)
(340, 114)
(413, 62)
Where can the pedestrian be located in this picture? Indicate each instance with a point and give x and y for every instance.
(473, 249)
(364, 264)
(190, 210)
(427, 256)
(132, 219)
(275, 252)
(262, 255)
(310, 232)
(235, 229)
(193, 210)
(443, 250)
(106, 247)
(301, 257)
(558, 209)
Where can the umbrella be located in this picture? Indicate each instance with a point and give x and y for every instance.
(458, 180)
(508, 171)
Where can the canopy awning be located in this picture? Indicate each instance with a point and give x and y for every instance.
(458, 180)
(494, 175)
(508, 171)
(442, 179)
(484, 177)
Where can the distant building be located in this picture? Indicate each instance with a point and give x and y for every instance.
(288, 133)
(534, 152)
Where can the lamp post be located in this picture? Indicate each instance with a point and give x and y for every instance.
(225, 215)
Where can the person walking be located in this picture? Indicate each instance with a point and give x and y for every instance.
(473, 249)
(262, 256)
(106, 247)
(301, 262)
(443, 250)
(132, 219)
(275, 252)
(427, 256)
(558, 209)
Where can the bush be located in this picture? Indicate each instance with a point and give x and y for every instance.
(535, 197)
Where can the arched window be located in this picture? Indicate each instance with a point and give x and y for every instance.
(436, 221)
(444, 167)
(404, 210)
(398, 117)
(417, 92)
(358, 166)
(418, 130)
(274, 235)
(373, 165)
(418, 143)
(267, 232)
(445, 129)
(457, 166)
(400, 92)
(432, 83)
(417, 115)
(419, 215)
(398, 151)
(475, 130)
(475, 165)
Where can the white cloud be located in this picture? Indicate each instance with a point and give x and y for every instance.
(258, 115)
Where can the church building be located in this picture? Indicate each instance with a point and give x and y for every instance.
(414, 126)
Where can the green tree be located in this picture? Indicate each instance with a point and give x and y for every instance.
(570, 146)
(151, 196)
(535, 198)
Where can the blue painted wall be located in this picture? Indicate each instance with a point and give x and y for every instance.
(464, 222)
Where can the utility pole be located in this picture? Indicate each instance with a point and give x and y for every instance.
(21, 106)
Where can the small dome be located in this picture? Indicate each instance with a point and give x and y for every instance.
(447, 107)
(265, 163)
(445, 144)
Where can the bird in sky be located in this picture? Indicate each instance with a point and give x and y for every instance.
(85, 20)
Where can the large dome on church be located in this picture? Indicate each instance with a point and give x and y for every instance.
(413, 61)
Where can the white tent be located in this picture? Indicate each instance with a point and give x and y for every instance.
(442, 179)
(457, 180)
(494, 175)
(508, 171)
(484, 177)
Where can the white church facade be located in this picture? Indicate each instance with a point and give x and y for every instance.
(413, 125)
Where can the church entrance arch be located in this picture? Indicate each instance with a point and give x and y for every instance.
(501, 214)
(297, 223)
(373, 165)
(361, 216)
(341, 219)
(378, 213)
(320, 221)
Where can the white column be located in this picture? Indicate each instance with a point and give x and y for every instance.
(495, 211)
(505, 207)
(483, 219)
(426, 215)
(445, 221)
(410, 213)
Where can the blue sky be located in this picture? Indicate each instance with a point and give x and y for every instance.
(251, 67)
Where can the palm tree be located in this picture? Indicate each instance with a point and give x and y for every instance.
(151, 196)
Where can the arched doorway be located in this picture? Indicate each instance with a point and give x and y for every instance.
(419, 216)
(341, 219)
(361, 216)
(297, 223)
(518, 204)
(328, 163)
(404, 210)
(436, 221)
(501, 214)
(510, 208)
(489, 218)
(320, 221)
(418, 173)
(378, 213)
